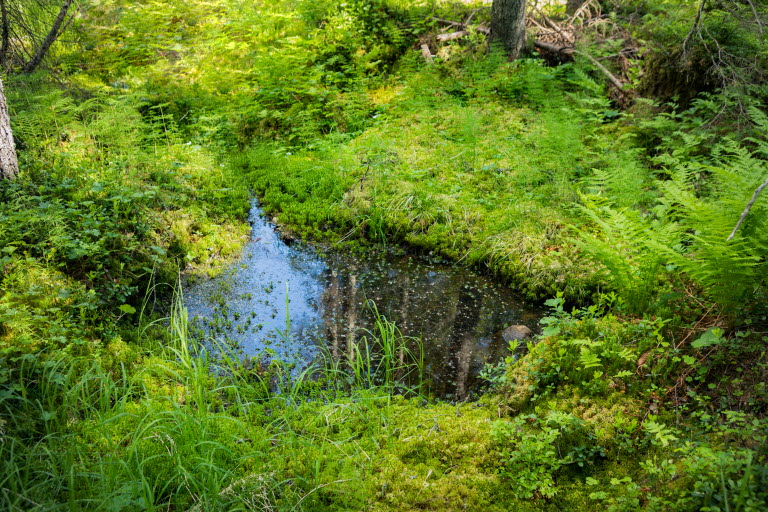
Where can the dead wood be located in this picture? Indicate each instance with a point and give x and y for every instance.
(464, 26)
(746, 210)
(562, 50)
(569, 50)
(427, 53)
(568, 37)
(452, 35)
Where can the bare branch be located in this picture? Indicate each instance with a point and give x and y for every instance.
(695, 26)
(567, 50)
(49, 39)
(747, 209)
(555, 26)
(463, 26)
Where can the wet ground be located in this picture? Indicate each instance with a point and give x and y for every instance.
(290, 300)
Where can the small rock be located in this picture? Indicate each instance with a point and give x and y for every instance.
(516, 332)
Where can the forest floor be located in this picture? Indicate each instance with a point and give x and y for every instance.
(140, 153)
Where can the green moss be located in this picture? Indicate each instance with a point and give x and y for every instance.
(353, 138)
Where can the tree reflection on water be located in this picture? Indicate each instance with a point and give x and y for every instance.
(295, 300)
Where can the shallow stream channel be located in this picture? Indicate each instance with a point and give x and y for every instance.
(293, 301)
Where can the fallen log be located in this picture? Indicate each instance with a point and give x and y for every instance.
(562, 50)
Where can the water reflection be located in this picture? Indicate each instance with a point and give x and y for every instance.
(289, 300)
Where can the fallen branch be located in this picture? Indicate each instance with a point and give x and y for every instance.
(747, 209)
(563, 50)
(615, 81)
(568, 50)
(449, 22)
(557, 28)
(472, 15)
(534, 22)
(464, 26)
(452, 35)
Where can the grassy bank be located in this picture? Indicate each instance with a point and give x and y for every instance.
(139, 153)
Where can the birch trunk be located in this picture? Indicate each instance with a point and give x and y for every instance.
(9, 165)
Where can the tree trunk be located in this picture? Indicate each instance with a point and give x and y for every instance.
(6, 37)
(572, 6)
(508, 25)
(49, 39)
(9, 165)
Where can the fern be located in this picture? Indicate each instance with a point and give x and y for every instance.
(685, 231)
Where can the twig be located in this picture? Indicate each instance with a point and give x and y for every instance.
(584, 7)
(695, 328)
(746, 210)
(625, 51)
(539, 25)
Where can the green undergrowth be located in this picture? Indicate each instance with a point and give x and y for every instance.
(481, 164)
(110, 204)
(578, 423)
(563, 195)
(679, 420)
(138, 159)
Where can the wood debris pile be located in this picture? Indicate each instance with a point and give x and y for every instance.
(557, 41)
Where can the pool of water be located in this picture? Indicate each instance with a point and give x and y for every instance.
(292, 300)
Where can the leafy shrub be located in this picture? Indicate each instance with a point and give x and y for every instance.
(533, 449)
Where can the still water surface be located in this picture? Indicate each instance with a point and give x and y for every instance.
(291, 299)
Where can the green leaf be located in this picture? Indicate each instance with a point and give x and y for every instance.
(127, 308)
(711, 337)
(554, 303)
